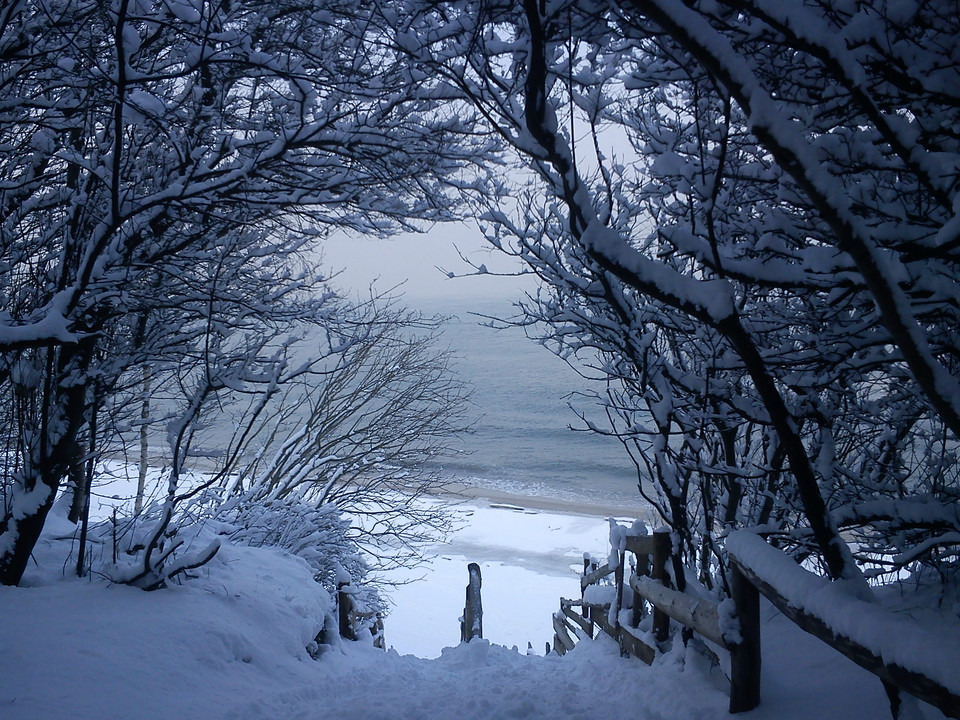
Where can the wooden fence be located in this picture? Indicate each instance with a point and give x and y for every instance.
(739, 636)
(899, 670)
(650, 583)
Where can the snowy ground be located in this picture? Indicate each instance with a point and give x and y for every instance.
(231, 644)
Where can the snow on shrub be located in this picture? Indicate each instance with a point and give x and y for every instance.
(318, 534)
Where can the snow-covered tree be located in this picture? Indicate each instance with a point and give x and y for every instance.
(150, 145)
(368, 435)
(358, 415)
(768, 265)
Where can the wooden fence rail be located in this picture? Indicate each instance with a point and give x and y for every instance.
(938, 692)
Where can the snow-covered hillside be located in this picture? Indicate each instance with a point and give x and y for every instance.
(233, 643)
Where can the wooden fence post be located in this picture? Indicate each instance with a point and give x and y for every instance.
(588, 566)
(472, 624)
(377, 631)
(642, 569)
(661, 555)
(745, 655)
(345, 607)
(618, 581)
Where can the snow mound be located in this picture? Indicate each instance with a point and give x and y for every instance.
(110, 651)
(482, 681)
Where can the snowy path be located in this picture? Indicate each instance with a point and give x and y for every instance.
(230, 645)
(803, 679)
(236, 652)
(490, 682)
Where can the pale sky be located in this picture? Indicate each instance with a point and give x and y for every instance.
(412, 259)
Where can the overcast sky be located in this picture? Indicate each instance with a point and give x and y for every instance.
(412, 260)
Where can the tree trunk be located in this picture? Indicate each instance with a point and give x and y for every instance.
(144, 446)
(50, 457)
(23, 526)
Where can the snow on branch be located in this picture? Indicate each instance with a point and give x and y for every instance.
(783, 136)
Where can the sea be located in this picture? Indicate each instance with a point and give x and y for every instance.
(527, 439)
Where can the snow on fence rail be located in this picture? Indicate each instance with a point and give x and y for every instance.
(602, 607)
(895, 648)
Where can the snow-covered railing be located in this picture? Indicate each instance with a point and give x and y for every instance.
(736, 631)
(900, 651)
(918, 660)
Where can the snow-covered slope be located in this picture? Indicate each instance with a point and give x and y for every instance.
(232, 644)
(87, 649)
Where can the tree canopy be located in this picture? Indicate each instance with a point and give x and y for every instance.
(767, 266)
(167, 168)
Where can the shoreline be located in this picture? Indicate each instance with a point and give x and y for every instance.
(503, 500)
(458, 491)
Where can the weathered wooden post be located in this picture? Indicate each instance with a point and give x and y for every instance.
(640, 546)
(642, 569)
(471, 626)
(618, 581)
(745, 655)
(615, 609)
(661, 555)
(588, 566)
(377, 631)
(344, 608)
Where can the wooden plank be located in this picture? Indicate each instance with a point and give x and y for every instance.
(618, 575)
(697, 613)
(745, 655)
(636, 647)
(601, 618)
(562, 638)
(582, 622)
(914, 683)
(629, 643)
(598, 574)
(642, 568)
(637, 610)
(587, 564)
